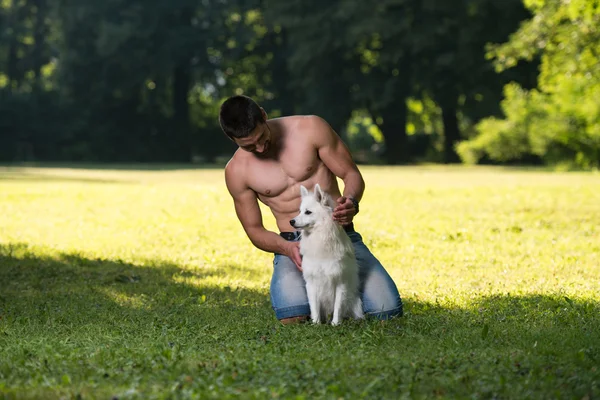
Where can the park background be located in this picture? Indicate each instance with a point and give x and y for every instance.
(125, 274)
(402, 81)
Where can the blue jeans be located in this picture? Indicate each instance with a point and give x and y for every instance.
(377, 289)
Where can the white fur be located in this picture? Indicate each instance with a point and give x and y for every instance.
(328, 262)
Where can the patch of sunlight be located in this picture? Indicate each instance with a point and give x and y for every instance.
(361, 121)
(3, 80)
(193, 279)
(443, 233)
(137, 302)
(415, 105)
(48, 69)
(376, 133)
(252, 16)
(370, 57)
(260, 30)
(236, 279)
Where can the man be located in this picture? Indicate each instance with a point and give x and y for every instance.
(274, 158)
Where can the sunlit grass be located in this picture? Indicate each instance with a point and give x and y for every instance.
(140, 283)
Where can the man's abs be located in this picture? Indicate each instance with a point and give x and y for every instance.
(280, 190)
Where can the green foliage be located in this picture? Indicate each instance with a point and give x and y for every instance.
(367, 143)
(143, 80)
(141, 283)
(375, 57)
(559, 122)
(362, 133)
(505, 140)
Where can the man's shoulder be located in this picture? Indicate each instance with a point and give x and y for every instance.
(235, 166)
(300, 121)
(308, 127)
(309, 120)
(315, 129)
(235, 175)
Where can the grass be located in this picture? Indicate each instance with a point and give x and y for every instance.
(132, 283)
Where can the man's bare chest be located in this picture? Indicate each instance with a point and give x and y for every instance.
(270, 178)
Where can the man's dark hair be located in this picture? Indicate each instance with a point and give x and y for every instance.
(239, 115)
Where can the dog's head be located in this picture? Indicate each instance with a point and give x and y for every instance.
(315, 207)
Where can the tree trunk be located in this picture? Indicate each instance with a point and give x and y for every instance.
(451, 131)
(181, 86)
(394, 133)
(39, 35)
(11, 68)
(395, 115)
(181, 116)
(283, 76)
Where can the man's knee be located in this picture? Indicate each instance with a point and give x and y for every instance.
(387, 311)
(383, 304)
(288, 291)
(291, 311)
(294, 320)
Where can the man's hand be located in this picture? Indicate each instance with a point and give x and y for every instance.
(344, 211)
(292, 250)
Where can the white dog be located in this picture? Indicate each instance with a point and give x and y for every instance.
(328, 262)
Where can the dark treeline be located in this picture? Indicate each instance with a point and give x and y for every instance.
(142, 80)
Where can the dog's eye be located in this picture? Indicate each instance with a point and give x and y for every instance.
(307, 212)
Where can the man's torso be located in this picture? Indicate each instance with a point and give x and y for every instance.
(277, 181)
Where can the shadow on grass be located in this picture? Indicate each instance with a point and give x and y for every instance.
(550, 324)
(74, 290)
(103, 324)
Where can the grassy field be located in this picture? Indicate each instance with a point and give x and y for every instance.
(134, 283)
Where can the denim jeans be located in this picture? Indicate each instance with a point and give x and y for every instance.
(377, 289)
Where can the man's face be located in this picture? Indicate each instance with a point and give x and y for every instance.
(259, 140)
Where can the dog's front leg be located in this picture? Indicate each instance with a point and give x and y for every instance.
(313, 302)
(340, 296)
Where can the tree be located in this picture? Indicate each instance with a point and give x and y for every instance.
(449, 44)
(316, 58)
(25, 51)
(379, 55)
(560, 121)
(335, 69)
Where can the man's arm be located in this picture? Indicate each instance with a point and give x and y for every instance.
(248, 212)
(336, 156)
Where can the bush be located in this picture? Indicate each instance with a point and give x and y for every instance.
(560, 122)
(558, 128)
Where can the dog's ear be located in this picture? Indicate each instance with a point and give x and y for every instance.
(303, 191)
(320, 195)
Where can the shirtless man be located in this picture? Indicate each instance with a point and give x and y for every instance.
(274, 158)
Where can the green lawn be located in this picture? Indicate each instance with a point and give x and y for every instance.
(141, 284)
